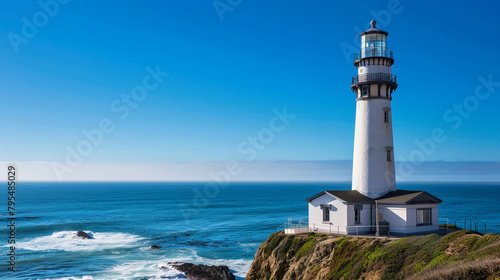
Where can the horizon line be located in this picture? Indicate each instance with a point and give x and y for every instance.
(246, 181)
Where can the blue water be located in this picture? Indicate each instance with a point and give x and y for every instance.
(189, 221)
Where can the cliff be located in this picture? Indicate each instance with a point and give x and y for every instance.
(458, 255)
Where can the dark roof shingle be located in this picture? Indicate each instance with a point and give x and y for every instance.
(395, 197)
(347, 196)
(408, 197)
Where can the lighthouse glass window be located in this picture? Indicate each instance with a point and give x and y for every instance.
(374, 45)
(423, 216)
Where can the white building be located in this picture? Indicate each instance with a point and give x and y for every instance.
(373, 204)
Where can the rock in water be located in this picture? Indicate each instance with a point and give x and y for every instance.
(83, 235)
(155, 247)
(203, 272)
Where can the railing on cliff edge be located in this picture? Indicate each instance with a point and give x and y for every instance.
(300, 225)
(297, 226)
(477, 226)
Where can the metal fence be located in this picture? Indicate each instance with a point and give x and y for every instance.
(370, 230)
(295, 226)
(477, 226)
(299, 225)
(377, 77)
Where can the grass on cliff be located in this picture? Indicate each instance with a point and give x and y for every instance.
(458, 255)
(411, 256)
(307, 247)
(290, 245)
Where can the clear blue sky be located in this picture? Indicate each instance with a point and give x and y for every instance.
(226, 77)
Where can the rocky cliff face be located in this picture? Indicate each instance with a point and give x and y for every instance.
(458, 255)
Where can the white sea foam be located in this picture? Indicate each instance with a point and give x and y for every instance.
(65, 241)
(239, 267)
(130, 266)
(159, 269)
(73, 278)
(142, 269)
(152, 269)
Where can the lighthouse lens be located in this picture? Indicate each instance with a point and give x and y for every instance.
(373, 45)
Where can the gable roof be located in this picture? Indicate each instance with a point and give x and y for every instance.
(408, 197)
(347, 196)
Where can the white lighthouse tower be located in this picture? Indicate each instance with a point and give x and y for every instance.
(373, 161)
(373, 205)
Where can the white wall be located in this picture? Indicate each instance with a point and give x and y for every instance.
(374, 69)
(372, 174)
(412, 218)
(403, 219)
(341, 216)
(396, 216)
(338, 214)
(365, 222)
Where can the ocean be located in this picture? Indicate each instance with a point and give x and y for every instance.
(192, 222)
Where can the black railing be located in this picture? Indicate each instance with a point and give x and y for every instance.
(374, 53)
(374, 77)
(476, 225)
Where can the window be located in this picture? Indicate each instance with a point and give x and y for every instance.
(357, 215)
(364, 91)
(424, 216)
(389, 156)
(326, 214)
(386, 116)
(373, 46)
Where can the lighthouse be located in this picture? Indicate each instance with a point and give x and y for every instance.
(373, 160)
(373, 205)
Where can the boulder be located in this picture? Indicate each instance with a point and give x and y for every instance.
(83, 235)
(203, 272)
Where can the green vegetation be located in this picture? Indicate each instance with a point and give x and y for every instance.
(291, 245)
(461, 254)
(309, 245)
(447, 226)
(272, 242)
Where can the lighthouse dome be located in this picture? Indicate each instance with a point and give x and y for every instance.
(374, 29)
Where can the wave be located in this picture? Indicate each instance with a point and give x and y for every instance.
(142, 270)
(64, 241)
(140, 263)
(156, 267)
(74, 278)
(155, 270)
(151, 269)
